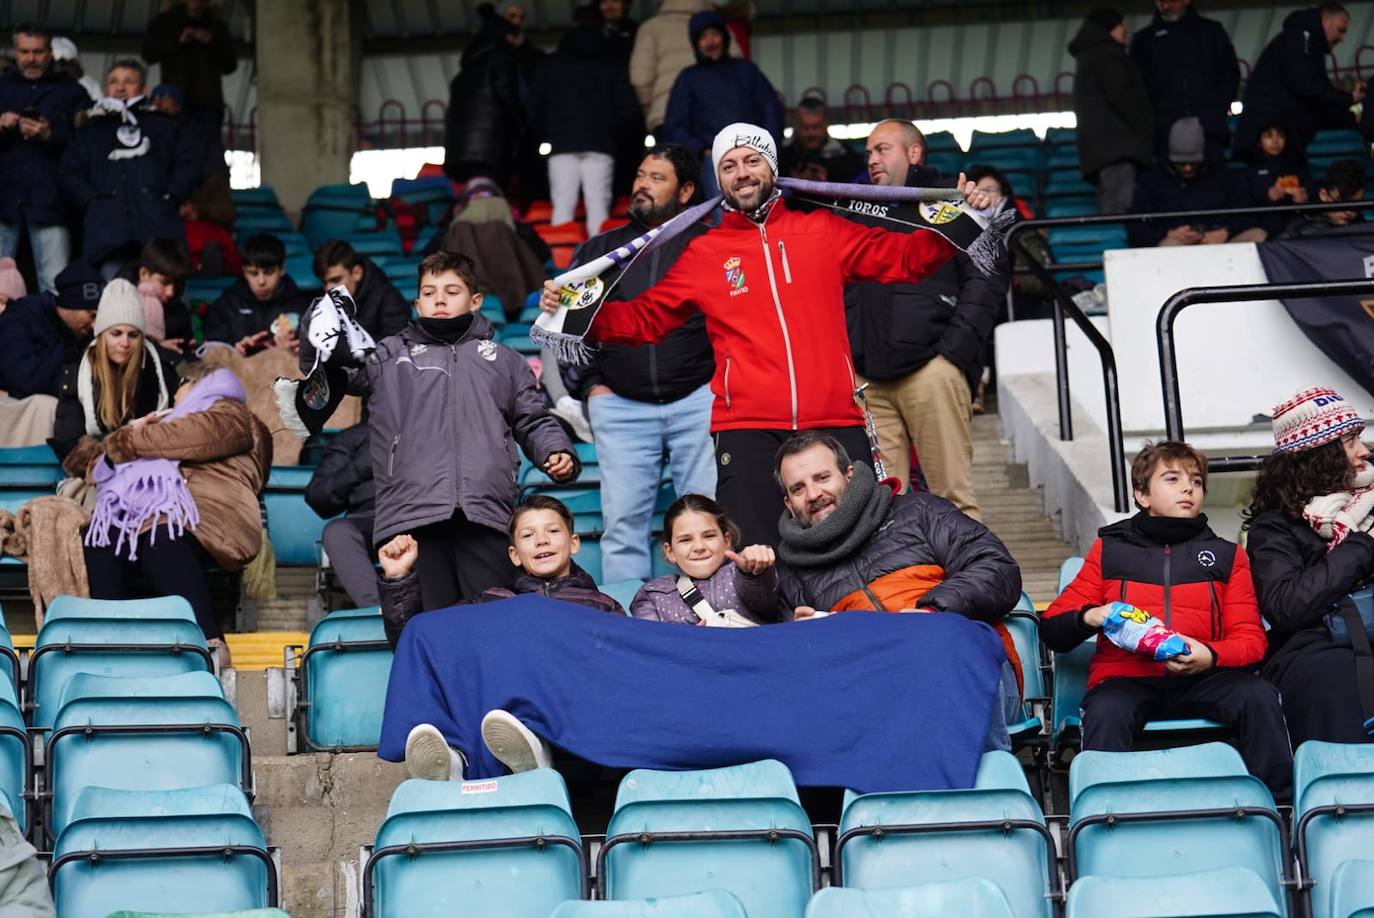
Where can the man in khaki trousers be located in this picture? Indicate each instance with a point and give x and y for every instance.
(919, 346)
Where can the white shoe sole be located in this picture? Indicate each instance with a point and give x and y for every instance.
(513, 743)
(427, 754)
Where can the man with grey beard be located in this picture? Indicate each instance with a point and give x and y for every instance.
(1190, 70)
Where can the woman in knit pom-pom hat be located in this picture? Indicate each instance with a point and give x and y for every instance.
(1310, 544)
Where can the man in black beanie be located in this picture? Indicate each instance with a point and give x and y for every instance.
(40, 333)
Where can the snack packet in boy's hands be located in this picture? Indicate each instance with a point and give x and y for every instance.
(1140, 632)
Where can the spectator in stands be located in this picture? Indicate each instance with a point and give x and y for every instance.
(619, 30)
(128, 168)
(434, 435)
(121, 376)
(811, 152)
(848, 543)
(662, 50)
(208, 217)
(1188, 182)
(648, 401)
(1190, 70)
(919, 347)
(169, 520)
(382, 309)
(541, 544)
(1168, 562)
(716, 91)
(750, 310)
(1345, 181)
(196, 51)
(1310, 542)
(618, 27)
(530, 169)
(1115, 128)
(40, 334)
(718, 581)
(485, 113)
(343, 483)
(1289, 84)
(583, 139)
(1273, 177)
(38, 108)
(161, 272)
(67, 57)
(263, 308)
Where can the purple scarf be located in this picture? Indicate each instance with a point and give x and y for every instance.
(130, 494)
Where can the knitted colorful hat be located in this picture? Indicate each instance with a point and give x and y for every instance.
(1311, 418)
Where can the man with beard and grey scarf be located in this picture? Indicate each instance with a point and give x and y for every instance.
(848, 543)
(648, 401)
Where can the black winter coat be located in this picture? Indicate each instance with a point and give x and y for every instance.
(34, 344)
(580, 99)
(485, 114)
(127, 201)
(154, 392)
(238, 314)
(196, 69)
(382, 309)
(343, 482)
(1190, 69)
(659, 373)
(1109, 98)
(1160, 190)
(1289, 86)
(29, 168)
(895, 329)
(981, 581)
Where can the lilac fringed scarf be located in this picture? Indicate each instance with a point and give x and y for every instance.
(940, 210)
(131, 494)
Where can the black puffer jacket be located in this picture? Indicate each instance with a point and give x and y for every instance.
(981, 581)
(1189, 68)
(659, 373)
(1297, 580)
(485, 117)
(1109, 98)
(342, 482)
(382, 309)
(895, 329)
(583, 68)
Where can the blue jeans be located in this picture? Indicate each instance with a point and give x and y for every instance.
(51, 246)
(1006, 709)
(631, 439)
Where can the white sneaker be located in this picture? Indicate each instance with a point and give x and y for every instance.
(429, 756)
(513, 743)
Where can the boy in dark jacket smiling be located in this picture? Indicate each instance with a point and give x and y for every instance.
(1168, 562)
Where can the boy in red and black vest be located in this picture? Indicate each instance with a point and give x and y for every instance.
(1166, 561)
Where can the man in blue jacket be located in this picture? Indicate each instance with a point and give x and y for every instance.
(716, 91)
(42, 332)
(38, 108)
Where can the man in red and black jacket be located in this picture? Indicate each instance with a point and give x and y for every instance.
(1168, 562)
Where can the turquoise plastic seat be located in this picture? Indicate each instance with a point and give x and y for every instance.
(16, 764)
(513, 876)
(622, 591)
(1231, 892)
(376, 242)
(293, 526)
(194, 826)
(1327, 776)
(1020, 861)
(1169, 812)
(772, 876)
(159, 607)
(345, 672)
(972, 897)
(1352, 890)
(129, 748)
(1024, 626)
(122, 646)
(588, 556)
(250, 913)
(715, 903)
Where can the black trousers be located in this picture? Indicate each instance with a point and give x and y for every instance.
(1320, 695)
(459, 559)
(745, 485)
(172, 567)
(1116, 710)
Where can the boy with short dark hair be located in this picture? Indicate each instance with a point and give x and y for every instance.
(382, 310)
(161, 271)
(1344, 181)
(1168, 562)
(262, 309)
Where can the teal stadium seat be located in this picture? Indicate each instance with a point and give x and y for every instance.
(206, 289)
(376, 242)
(942, 142)
(261, 221)
(1352, 890)
(333, 211)
(16, 757)
(715, 903)
(341, 687)
(261, 196)
(622, 591)
(117, 732)
(293, 526)
(1230, 892)
(209, 853)
(739, 828)
(1171, 812)
(435, 194)
(974, 897)
(989, 140)
(448, 849)
(249, 913)
(1333, 813)
(994, 830)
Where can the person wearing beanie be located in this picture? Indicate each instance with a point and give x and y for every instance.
(1309, 523)
(1115, 126)
(11, 282)
(42, 332)
(121, 376)
(770, 280)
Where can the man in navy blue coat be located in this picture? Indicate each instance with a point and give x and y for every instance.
(42, 332)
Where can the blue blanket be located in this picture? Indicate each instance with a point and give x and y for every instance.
(869, 701)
